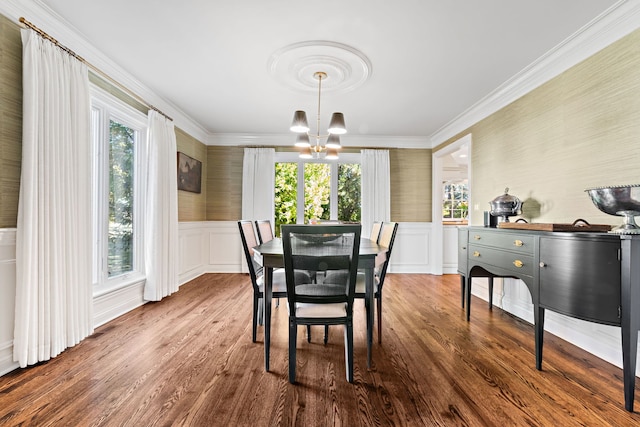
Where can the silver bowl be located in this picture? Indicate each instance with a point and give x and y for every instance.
(621, 200)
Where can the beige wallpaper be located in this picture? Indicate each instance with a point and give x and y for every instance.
(10, 121)
(224, 183)
(410, 171)
(192, 206)
(579, 130)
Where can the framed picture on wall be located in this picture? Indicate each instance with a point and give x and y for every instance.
(189, 173)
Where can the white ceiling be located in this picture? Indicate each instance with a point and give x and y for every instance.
(430, 59)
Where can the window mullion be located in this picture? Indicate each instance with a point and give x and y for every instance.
(300, 195)
(333, 195)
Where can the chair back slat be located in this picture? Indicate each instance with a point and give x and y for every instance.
(249, 241)
(265, 232)
(387, 239)
(375, 231)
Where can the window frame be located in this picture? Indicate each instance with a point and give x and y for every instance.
(465, 197)
(294, 157)
(105, 108)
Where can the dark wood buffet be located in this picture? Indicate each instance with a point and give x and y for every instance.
(585, 275)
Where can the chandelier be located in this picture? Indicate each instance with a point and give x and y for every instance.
(336, 127)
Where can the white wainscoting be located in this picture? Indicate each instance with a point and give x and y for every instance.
(7, 298)
(412, 249)
(221, 249)
(450, 249)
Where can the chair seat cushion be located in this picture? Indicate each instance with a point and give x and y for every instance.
(361, 283)
(280, 281)
(321, 310)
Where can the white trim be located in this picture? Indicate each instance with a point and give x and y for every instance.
(616, 22)
(107, 108)
(436, 198)
(288, 139)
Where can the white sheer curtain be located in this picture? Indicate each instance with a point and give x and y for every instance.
(161, 209)
(376, 192)
(258, 180)
(54, 297)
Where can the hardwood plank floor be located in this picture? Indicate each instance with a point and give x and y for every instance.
(189, 361)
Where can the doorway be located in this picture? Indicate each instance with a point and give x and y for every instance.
(450, 162)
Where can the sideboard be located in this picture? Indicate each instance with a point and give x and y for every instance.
(585, 275)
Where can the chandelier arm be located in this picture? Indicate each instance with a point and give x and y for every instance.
(318, 148)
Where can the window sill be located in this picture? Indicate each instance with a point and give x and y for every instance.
(117, 284)
(463, 222)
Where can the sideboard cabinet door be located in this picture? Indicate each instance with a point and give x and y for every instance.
(581, 278)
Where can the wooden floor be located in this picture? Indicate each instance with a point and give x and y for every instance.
(189, 360)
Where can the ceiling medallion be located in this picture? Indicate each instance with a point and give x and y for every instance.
(294, 66)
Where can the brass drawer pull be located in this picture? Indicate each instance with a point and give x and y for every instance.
(518, 263)
(518, 242)
(476, 237)
(476, 253)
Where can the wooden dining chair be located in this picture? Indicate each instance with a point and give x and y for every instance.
(321, 249)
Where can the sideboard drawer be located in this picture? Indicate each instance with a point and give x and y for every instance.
(508, 241)
(520, 264)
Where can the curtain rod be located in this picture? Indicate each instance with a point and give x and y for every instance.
(91, 66)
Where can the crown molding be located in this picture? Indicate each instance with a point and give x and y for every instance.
(287, 140)
(56, 26)
(616, 22)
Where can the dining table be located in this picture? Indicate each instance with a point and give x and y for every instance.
(270, 255)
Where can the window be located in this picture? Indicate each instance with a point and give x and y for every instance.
(316, 190)
(455, 203)
(118, 132)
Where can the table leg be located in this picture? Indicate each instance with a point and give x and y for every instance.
(369, 309)
(268, 292)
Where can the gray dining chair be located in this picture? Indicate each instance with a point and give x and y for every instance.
(386, 238)
(279, 286)
(321, 249)
(249, 241)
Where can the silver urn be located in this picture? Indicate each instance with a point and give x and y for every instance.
(505, 206)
